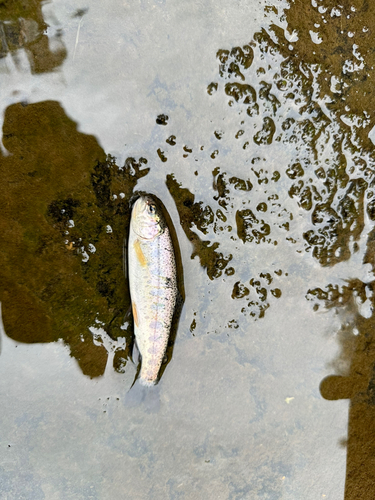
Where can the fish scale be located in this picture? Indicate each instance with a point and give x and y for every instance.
(153, 284)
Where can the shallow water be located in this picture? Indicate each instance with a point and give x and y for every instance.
(253, 125)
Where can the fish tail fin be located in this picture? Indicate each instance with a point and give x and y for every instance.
(136, 374)
(141, 395)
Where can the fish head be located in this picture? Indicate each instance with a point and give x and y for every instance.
(147, 219)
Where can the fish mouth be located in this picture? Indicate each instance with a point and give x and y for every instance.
(139, 206)
(142, 202)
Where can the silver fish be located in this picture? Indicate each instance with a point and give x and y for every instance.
(153, 284)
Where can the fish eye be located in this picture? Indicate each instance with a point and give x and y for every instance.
(151, 208)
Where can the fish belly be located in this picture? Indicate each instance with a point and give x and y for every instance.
(153, 289)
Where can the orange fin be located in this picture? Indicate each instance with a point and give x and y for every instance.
(135, 314)
(138, 251)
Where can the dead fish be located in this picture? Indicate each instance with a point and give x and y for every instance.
(153, 284)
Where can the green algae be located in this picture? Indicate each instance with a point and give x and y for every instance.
(55, 175)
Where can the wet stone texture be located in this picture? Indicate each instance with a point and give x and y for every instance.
(258, 141)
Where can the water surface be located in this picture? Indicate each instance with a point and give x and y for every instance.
(253, 125)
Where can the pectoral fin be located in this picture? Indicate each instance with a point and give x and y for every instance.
(138, 252)
(135, 314)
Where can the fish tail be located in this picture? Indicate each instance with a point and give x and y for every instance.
(147, 377)
(147, 382)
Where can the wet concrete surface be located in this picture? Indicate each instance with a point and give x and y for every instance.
(253, 125)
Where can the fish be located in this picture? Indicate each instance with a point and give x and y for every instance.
(153, 284)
